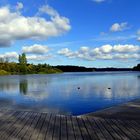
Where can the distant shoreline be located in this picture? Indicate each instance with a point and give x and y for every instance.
(20, 69)
(69, 68)
(66, 72)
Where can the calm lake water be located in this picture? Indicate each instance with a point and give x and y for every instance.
(59, 93)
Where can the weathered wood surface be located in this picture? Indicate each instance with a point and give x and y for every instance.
(22, 125)
(129, 111)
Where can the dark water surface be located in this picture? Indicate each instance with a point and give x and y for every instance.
(68, 93)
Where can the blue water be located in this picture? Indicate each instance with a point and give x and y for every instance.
(68, 93)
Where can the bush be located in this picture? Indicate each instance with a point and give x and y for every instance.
(137, 68)
(3, 72)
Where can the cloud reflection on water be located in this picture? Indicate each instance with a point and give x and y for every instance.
(60, 93)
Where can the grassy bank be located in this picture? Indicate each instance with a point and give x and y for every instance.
(50, 71)
(23, 67)
(3, 72)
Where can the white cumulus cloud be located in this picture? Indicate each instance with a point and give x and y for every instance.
(9, 55)
(127, 56)
(106, 48)
(105, 52)
(67, 52)
(36, 49)
(48, 10)
(19, 6)
(116, 27)
(126, 48)
(38, 57)
(14, 26)
(13, 56)
(84, 49)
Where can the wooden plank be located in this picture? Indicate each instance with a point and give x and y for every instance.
(106, 130)
(130, 128)
(8, 116)
(29, 133)
(76, 128)
(2, 113)
(110, 129)
(6, 120)
(49, 134)
(38, 127)
(18, 126)
(117, 130)
(57, 128)
(14, 127)
(70, 131)
(44, 128)
(22, 132)
(9, 122)
(135, 123)
(96, 129)
(123, 128)
(92, 133)
(63, 135)
(134, 126)
(5, 113)
(84, 132)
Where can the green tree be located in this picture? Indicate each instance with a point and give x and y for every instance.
(23, 63)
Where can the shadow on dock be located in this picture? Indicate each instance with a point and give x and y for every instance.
(24, 125)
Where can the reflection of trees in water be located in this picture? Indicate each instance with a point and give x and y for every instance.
(34, 86)
(23, 87)
(14, 84)
(8, 85)
(39, 83)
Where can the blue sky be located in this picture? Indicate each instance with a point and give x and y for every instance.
(91, 33)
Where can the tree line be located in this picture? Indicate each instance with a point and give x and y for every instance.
(69, 68)
(23, 67)
(137, 68)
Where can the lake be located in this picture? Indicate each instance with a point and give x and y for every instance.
(68, 93)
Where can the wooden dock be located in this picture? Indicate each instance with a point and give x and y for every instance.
(22, 125)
